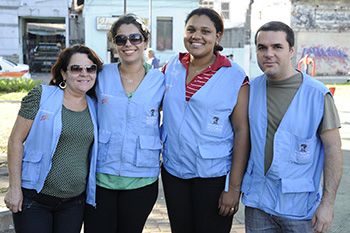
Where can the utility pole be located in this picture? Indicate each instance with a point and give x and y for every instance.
(150, 22)
(124, 7)
(247, 38)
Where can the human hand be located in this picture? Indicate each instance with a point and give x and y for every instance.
(13, 199)
(323, 218)
(229, 202)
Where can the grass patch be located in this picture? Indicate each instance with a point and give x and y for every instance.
(13, 96)
(339, 84)
(18, 85)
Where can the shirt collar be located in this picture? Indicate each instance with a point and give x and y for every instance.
(220, 61)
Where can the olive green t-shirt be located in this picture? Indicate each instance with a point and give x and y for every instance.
(70, 162)
(279, 97)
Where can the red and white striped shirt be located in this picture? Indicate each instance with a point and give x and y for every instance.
(202, 78)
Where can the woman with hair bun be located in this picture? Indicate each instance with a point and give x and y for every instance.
(205, 130)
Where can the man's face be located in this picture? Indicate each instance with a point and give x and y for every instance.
(274, 54)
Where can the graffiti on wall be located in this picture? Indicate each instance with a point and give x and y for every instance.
(324, 17)
(329, 60)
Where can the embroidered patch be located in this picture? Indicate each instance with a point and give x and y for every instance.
(104, 100)
(215, 120)
(303, 148)
(44, 117)
(151, 117)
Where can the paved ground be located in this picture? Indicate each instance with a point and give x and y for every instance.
(158, 221)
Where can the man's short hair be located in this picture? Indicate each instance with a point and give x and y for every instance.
(278, 26)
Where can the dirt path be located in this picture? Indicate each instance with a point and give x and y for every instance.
(8, 114)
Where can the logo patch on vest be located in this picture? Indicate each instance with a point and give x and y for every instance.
(215, 125)
(44, 117)
(303, 148)
(104, 100)
(167, 87)
(152, 117)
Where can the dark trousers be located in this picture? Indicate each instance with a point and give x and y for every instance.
(47, 214)
(120, 211)
(193, 204)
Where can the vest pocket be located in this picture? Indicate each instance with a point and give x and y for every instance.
(215, 159)
(217, 123)
(303, 150)
(103, 144)
(31, 166)
(294, 197)
(148, 151)
(151, 116)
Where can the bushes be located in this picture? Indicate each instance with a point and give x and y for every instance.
(17, 85)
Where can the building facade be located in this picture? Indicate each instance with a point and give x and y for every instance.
(20, 21)
(323, 32)
(166, 20)
(322, 29)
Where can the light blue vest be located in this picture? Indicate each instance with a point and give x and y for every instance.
(291, 187)
(129, 139)
(197, 135)
(42, 140)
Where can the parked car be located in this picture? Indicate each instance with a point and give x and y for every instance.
(43, 56)
(9, 69)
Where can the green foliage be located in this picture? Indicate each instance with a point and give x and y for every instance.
(17, 85)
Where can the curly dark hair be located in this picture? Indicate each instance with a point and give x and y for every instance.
(64, 59)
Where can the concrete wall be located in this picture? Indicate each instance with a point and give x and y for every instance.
(9, 33)
(323, 30)
(331, 51)
(324, 16)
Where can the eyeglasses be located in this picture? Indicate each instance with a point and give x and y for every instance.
(135, 39)
(77, 69)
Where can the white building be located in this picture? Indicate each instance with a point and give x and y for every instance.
(15, 15)
(165, 17)
(262, 12)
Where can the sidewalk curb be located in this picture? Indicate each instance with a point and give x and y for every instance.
(6, 221)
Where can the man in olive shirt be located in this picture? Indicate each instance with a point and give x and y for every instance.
(295, 139)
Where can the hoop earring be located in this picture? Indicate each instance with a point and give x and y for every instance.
(62, 84)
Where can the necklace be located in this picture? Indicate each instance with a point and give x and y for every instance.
(131, 80)
(199, 69)
(133, 77)
(194, 71)
(128, 80)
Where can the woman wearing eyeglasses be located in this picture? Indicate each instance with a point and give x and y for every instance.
(52, 150)
(129, 94)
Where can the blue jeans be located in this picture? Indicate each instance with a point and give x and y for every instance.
(45, 214)
(257, 221)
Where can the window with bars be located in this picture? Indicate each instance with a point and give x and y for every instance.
(164, 33)
(225, 10)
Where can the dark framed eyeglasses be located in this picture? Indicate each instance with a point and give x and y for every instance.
(135, 39)
(77, 69)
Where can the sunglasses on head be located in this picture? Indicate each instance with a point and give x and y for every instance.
(135, 39)
(77, 69)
